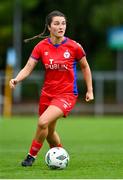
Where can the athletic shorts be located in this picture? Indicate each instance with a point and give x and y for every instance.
(64, 102)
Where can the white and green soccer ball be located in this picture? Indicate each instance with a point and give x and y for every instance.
(57, 158)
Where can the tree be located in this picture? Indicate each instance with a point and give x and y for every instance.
(88, 22)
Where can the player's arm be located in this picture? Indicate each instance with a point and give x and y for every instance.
(88, 78)
(25, 72)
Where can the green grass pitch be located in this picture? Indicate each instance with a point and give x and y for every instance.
(95, 146)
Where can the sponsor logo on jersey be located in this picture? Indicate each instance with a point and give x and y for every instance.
(54, 66)
(66, 54)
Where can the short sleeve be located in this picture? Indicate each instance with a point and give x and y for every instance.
(36, 53)
(80, 52)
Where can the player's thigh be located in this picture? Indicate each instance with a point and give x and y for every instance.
(51, 114)
(43, 104)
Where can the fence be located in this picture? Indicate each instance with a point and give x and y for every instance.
(108, 91)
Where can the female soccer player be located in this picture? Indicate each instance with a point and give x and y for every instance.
(59, 54)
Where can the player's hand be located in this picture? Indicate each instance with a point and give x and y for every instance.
(12, 83)
(89, 96)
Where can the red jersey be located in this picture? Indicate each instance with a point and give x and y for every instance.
(59, 61)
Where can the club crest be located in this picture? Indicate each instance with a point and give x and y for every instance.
(66, 54)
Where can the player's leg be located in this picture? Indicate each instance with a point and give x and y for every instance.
(53, 138)
(65, 103)
(49, 115)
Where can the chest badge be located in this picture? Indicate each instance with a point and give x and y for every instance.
(46, 53)
(66, 54)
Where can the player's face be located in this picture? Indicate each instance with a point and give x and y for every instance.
(57, 27)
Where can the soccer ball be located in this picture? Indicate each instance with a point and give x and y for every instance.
(57, 158)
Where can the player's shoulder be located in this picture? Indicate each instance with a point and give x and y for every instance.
(42, 42)
(74, 43)
(77, 47)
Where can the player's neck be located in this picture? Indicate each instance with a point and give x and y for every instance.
(56, 40)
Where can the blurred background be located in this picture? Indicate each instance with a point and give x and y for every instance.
(96, 25)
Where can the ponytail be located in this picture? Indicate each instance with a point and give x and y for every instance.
(41, 35)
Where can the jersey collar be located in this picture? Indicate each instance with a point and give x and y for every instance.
(57, 45)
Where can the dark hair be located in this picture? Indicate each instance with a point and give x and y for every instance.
(48, 21)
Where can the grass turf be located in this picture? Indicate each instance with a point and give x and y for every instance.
(95, 146)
